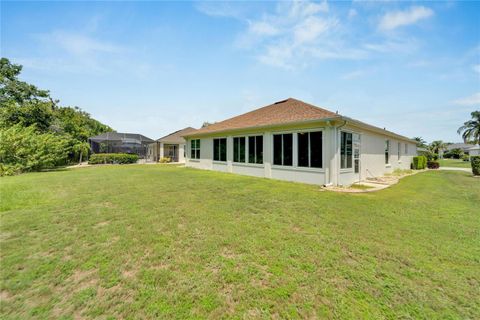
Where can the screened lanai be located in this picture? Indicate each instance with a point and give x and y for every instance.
(116, 142)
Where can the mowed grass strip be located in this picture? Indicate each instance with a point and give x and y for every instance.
(169, 242)
(454, 163)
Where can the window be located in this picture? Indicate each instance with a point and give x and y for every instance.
(283, 149)
(406, 148)
(310, 149)
(387, 151)
(399, 147)
(255, 149)
(346, 150)
(239, 149)
(220, 149)
(195, 149)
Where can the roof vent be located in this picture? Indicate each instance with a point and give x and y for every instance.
(282, 101)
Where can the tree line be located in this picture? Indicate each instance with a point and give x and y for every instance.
(37, 133)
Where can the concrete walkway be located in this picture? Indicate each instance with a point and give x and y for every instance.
(456, 169)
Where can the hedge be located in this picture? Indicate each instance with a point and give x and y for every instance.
(120, 158)
(419, 162)
(475, 163)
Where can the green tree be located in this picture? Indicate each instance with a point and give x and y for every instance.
(420, 142)
(437, 146)
(12, 89)
(470, 130)
(24, 149)
(36, 132)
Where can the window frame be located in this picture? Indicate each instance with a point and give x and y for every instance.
(399, 151)
(245, 151)
(226, 149)
(346, 169)
(309, 149)
(406, 148)
(293, 165)
(197, 148)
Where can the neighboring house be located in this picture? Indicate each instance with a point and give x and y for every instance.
(465, 147)
(474, 151)
(171, 146)
(116, 142)
(296, 141)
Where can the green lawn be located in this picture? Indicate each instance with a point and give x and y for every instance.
(456, 163)
(157, 241)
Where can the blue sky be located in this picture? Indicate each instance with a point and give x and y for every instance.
(156, 67)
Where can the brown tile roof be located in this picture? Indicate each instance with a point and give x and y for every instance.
(281, 112)
(177, 136)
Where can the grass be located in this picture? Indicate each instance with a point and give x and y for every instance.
(155, 241)
(455, 163)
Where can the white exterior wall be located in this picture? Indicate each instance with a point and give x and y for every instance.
(372, 157)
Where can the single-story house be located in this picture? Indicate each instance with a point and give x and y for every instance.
(465, 147)
(170, 146)
(117, 142)
(474, 151)
(296, 141)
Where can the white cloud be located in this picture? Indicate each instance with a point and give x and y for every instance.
(473, 100)
(393, 20)
(353, 75)
(311, 28)
(77, 43)
(263, 28)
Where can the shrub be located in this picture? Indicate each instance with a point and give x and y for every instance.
(165, 160)
(454, 154)
(433, 165)
(419, 162)
(24, 149)
(466, 157)
(475, 163)
(114, 158)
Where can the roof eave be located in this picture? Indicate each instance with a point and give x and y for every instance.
(263, 126)
(377, 129)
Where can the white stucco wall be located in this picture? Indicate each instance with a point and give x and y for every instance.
(372, 157)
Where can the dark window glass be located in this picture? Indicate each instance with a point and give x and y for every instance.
(303, 149)
(349, 150)
(195, 149)
(239, 149)
(251, 149)
(287, 149)
(216, 149)
(223, 149)
(242, 149)
(283, 149)
(277, 149)
(259, 149)
(399, 150)
(236, 154)
(316, 150)
(345, 150)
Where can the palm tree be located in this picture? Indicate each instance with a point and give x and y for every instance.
(437, 146)
(420, 142)
(470, 130)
